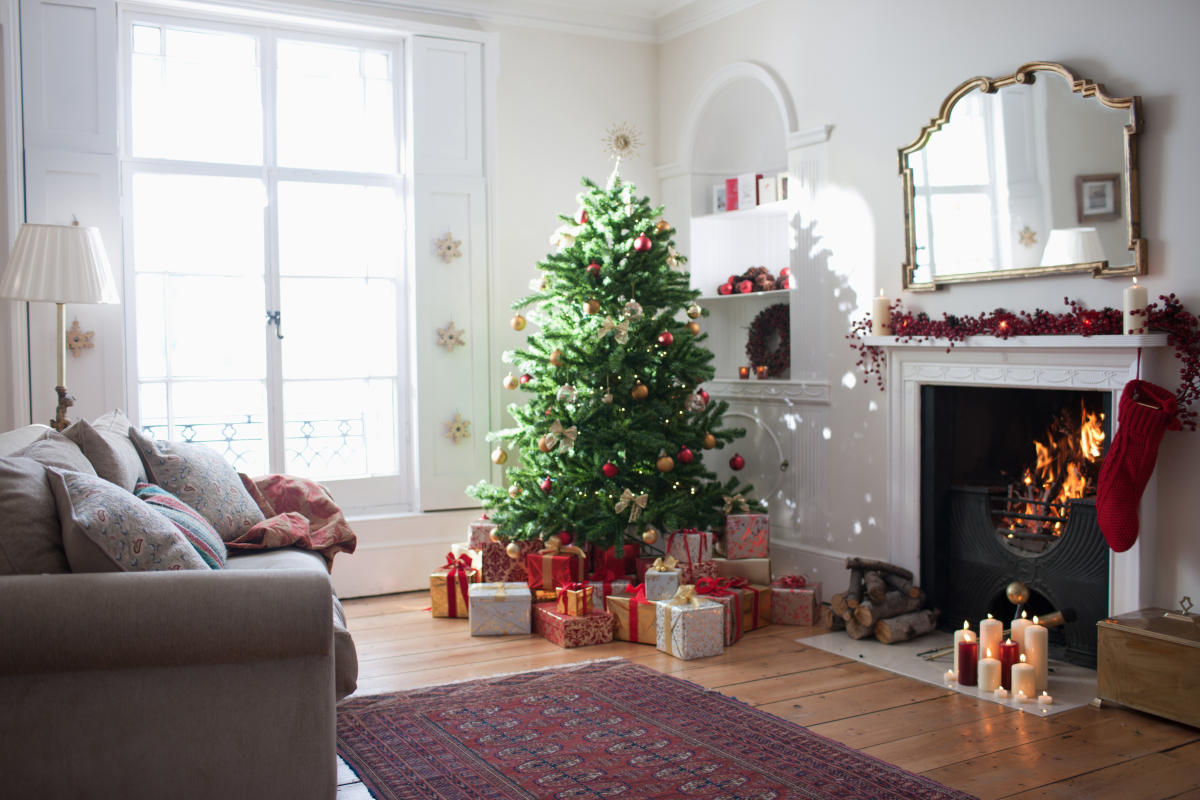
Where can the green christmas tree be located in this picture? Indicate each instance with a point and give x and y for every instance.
(612, 436)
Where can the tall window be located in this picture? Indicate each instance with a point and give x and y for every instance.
(265, 243)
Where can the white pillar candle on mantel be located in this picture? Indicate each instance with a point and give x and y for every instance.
(964, 635)
(989, 670)
(881, 315)
(1037, 640)
(1018, 630)
(990, 632)
(1136, 300)
(1024, 680)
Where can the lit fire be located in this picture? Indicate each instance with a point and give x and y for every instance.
(1064, 470)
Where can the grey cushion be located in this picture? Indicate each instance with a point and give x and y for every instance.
(111, 455)
(55, 450)
(114, 427)
(30, 534)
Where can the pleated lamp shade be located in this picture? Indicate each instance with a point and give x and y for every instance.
(1072, 246)
(58, 264)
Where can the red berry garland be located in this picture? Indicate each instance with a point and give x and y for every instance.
(1180, 325)
(773, 319)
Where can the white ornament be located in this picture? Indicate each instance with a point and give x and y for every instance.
(566, 394)
(633, 309)
(458, 428)
(447, 248)
(450, 337)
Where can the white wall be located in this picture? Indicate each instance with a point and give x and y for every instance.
(878, 70)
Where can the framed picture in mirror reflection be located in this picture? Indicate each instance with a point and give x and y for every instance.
(1098, 197)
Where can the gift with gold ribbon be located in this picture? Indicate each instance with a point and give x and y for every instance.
(756, 603)
(635, 616)
(690, 545)
(689, 626)
(555, 565)
(755, 570)
(499, 609)
(499, 567)
(747, 536)
(606, 583)
(448, 586)
(735, 503)
(574, 598)
(662, 579)
(718, 591)
(794, 600)
(566, 630)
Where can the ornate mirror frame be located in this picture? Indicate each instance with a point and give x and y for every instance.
(1026, 74)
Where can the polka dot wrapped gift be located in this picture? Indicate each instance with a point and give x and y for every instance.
(794, 601)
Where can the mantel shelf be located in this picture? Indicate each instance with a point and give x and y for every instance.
(778, 293)
(770, 390)
(1108, 342)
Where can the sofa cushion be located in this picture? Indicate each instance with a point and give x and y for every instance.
(112, 456)
(195, 528)
(200, 477)
(106, 529)
(114, 427)
(30, 534)
(53, 449)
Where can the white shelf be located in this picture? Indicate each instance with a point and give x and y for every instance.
(776, 293)
(770, 390)
(774, 207)
(1107, 341)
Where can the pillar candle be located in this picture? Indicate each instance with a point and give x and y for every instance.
(968, 657)
(1024, 679)
(1009, 651)
(881, 314)
(1036, 643)
(991, 633)
(1018, 630)
(989, 672)
(1135, 301)
(964, 635)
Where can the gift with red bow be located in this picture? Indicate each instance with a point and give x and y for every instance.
(604, 584)
(449, 586)
(718, 590)
(555, 565)
(574, 599)
(794, 600)
(689, 545)
(756, 603)
(634, 616)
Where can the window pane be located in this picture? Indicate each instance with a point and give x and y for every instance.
(961, 155)
(340, 429)
(967, 243)
(333, 229)
(215, 327)
(199, 100)
(228, 416)
(338, 327)
(335, 108)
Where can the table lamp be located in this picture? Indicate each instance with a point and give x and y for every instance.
(59, 264)
(1072, 246)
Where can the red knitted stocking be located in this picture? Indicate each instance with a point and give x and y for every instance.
(1145, 412)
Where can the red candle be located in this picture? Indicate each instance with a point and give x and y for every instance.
(761, 371)
(744, 373)
(1010, 651)
(968, 663)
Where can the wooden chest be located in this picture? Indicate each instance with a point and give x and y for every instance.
(1150, 660)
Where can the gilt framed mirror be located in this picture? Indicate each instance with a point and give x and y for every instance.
(1033, 173)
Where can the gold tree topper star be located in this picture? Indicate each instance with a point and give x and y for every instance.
(458, 428)
(622, 141)
(1028, 237)
(450, 337)
(447, 248)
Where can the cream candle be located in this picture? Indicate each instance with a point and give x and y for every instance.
(1136, 301)
(964, 635)
(989, 672)
(881, 315)
(1036, 651)
(1044, 699)
(990, 632)
(1001, 693)
(1018, 630)
(1024, 680)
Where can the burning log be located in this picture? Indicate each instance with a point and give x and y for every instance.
(874, 586)
(905, 626)
(894, 604)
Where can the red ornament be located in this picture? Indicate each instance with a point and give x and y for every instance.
(684, 456)
(703, 396)
(581, 216)
(785, 283)
(642, 243)
(548, 484)
(745, 287)
(785, 272)
(565, 538)
(593, 268)
(666, 339)
(735, 463)
(526, 378)
(609, 469)
(725, 288)
(734, 279)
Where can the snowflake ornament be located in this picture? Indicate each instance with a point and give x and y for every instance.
(450, 337)
(79, 339)
(458, 428)
(1027, 237)
(447, 248)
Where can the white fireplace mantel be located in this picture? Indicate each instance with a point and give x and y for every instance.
(1099, 363)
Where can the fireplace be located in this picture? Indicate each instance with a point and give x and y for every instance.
(1008, 480)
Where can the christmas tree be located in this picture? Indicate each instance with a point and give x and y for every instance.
(612, 434)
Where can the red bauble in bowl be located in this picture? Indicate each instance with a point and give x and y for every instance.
(725, 288)
(642, 243)
(736, 463)
(745, 287)
(785, 272)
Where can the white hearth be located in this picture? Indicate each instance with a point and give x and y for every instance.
(1098, 363)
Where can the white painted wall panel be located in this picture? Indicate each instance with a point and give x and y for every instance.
(448, 91)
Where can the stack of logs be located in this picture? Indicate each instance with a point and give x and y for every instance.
(881, 601)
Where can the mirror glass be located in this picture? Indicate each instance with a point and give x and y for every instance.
(1030, 174)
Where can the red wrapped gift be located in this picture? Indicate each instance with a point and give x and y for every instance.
(690, 545)
(499, 567)
(606, 560)
(574, 599)
(747, 536)
(564, 630)
(756, 603)
(449, 586)
(692, 573)
(794, 600)
(718, 590)
(479, 533)
(552, 567)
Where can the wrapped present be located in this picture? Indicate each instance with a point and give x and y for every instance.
(635, 616)
(690, 545)
(662, 579)
(545, 596)
(718, 591)
(692, 573)
(479, 532)
(498, 567)
(605, 559)
(574, 599)
(606, 588)
(756, 603)
(448, 587)
(554, 566)
(564, 630)
(754, 570)
(688, 626)
(498, 609)
(459, 549)
(794, 601)
(747, 535)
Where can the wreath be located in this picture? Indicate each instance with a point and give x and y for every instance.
(771, 320)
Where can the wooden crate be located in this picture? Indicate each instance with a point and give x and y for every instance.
(1150, 660)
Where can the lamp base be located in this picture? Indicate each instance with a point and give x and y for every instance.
(65, 401)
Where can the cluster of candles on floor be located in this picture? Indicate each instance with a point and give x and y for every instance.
(1015, 666)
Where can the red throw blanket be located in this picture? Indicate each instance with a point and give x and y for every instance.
(299, 513)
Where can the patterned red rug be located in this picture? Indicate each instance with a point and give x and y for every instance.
(607, 729)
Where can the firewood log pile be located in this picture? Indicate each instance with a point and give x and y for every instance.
(880, 601)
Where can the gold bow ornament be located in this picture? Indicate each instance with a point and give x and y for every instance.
(635, 503)
(685, 596)
(664, 564)
(556, 548)
(619, 330)
(736, 500)
(560, 434)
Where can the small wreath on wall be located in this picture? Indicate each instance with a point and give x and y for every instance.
(771, 322)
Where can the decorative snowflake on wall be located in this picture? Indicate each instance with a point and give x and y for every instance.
(458, 428)
(78, 339)
(447, 248)
(450, 337)
(1028, 237)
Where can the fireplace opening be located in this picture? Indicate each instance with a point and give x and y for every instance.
(1008, 481)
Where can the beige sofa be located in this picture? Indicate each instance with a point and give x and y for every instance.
(190, 684)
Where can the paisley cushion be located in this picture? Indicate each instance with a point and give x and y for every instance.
(194, 527)
(200, 477)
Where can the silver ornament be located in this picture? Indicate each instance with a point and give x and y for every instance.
(566, 394)
(633, 309)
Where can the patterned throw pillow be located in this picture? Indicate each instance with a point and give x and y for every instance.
(107, 529)
(200, 477)
(195, 528)
(109, 460)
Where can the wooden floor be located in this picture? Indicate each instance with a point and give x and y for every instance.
(982, 748)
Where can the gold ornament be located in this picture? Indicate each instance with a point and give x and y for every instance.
(510, 381)
(544, 445)
(640, 391)
(499, 456)
(1017, 593)
(607, 398)
(650, 535)
(513, 550)
(518, 323)
(495, 534)
(694, 311)
(514, 491)
(591, 306)
(662, 226)
(665, 463)
(694, 328)
(710, 441)
(556, 357)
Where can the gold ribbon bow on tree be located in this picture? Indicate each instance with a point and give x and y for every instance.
(664, 564)
(685, 596)
(566, 435)
(635, 503)
(619, 330)
(736, 500)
